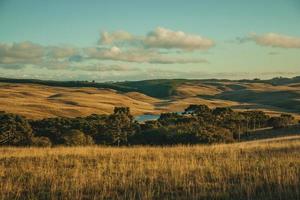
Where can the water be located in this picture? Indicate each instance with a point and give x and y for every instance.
(147, 117)
(142, 118)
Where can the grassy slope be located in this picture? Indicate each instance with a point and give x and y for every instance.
(39, 101)
(266, 169)
(150, 96)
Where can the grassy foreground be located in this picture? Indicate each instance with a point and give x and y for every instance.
(267, 169)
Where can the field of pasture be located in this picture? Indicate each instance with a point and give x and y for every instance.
(263, 169)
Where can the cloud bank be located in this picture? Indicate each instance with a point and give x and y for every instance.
(20, 53)
(118, 36)
(156, 47)
(137, 56)
(160, 38)
(273, 40)
(277, 40)
(169, 39)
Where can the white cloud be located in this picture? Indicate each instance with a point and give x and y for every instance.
(274, 40)
(176, 60)
(30, 53)
(24, 52)
(161, 38)
(137, 55)
(157, 47)
(54, 65)
(106, 68)
(61, 52)
(110, 38)
(169, 39)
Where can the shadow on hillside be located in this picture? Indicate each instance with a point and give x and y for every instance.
(279, 100)
(256, 106)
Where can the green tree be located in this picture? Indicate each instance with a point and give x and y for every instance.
(76, 138)
(202, 112)
(53, 128)
(282, 121)
(255, 119)
(222, 114)
(197, 109)
(155, 136)
(168, 119)
(41, 142)
(120, 126)
(290, 119)
(14, 130)
(92, 125)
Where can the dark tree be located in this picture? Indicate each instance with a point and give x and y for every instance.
(76, 138)
(53, 128)
(282, 121)
(121, 126)
(14, 130)
(40, 142)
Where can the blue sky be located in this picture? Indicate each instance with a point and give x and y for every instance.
(149, 39)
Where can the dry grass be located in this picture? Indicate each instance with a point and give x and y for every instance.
(267, 169)
(191, 90)
(39, 101)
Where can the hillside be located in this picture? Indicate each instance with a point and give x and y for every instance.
(39, 99)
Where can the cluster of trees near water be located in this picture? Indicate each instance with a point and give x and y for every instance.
(198, 124)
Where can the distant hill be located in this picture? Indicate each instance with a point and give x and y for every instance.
(46, 98)
(160, 88)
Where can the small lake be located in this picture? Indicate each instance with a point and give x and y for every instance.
(142, 118)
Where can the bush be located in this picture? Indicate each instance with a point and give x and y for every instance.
(41, 142)
(156, 136)
(76, 138)
(14, 130)
(219, 134)
(280, 122)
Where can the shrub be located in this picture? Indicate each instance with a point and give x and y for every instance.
(156, 136)
(280, 122)
(76, 138)
(14, 130)
(41, 142)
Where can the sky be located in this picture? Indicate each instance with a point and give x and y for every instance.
(110, 40)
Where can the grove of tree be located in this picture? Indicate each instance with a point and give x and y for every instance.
(198, 124)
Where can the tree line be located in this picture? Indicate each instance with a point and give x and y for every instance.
(198, 124)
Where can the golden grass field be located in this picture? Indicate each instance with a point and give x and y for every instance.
(39, 101)
(264, 169)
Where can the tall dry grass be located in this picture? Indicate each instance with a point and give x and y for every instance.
(251, 170)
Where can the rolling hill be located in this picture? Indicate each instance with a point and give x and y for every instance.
(38, 98)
